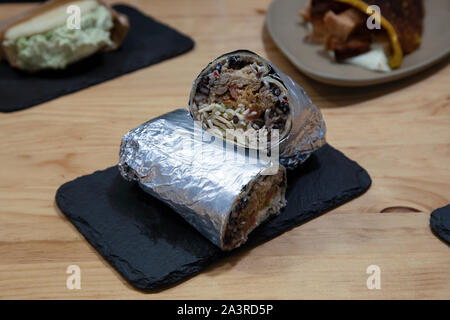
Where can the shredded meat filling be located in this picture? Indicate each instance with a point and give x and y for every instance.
(241, 94)
(264, 198)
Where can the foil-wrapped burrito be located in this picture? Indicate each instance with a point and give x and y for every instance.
(243, 92)
(223, 191)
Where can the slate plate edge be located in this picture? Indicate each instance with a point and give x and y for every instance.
(436, 225)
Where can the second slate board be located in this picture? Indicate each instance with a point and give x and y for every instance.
(153, 247)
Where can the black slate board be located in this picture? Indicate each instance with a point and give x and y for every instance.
(148, 42)
(153, 247)
(440, 223)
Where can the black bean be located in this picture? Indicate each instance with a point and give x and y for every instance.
(203, 85)
(235, 62)
(279, 111)
(261, 85)
(259, 123)
(219, 68)
(284, 107)
(276, 125)
(262, 117)
(204, 90)
(204, 81)
(279, 124)
(276, 91)
(243, 203)
(235, 119)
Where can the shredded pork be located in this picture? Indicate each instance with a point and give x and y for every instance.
(265, 198)
(240, 94)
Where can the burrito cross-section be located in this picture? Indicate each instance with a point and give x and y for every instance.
(222, 191)
(241, 91)
(244, 94)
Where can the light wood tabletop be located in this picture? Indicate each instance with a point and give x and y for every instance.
(399, 132)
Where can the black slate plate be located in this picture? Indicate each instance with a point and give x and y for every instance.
(148, 42)
(440, 222)
(153, 247)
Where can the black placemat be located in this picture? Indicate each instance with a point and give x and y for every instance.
(153, 247)
(440, 223)
(148, 42)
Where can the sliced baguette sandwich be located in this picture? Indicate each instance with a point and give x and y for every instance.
(41, 38)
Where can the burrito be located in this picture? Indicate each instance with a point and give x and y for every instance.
(222, 192)
(42, 38)
(240, 95)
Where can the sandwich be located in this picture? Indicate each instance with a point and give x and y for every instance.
(341, 26)
(43, 39)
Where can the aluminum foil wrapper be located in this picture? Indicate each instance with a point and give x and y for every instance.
(178, 162)
(307, 132)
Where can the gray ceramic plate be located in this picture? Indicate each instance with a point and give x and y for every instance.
(286, 29)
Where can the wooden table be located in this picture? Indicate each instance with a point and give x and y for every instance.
(399, 132)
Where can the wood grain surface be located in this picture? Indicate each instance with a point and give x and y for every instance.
(400, 132)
